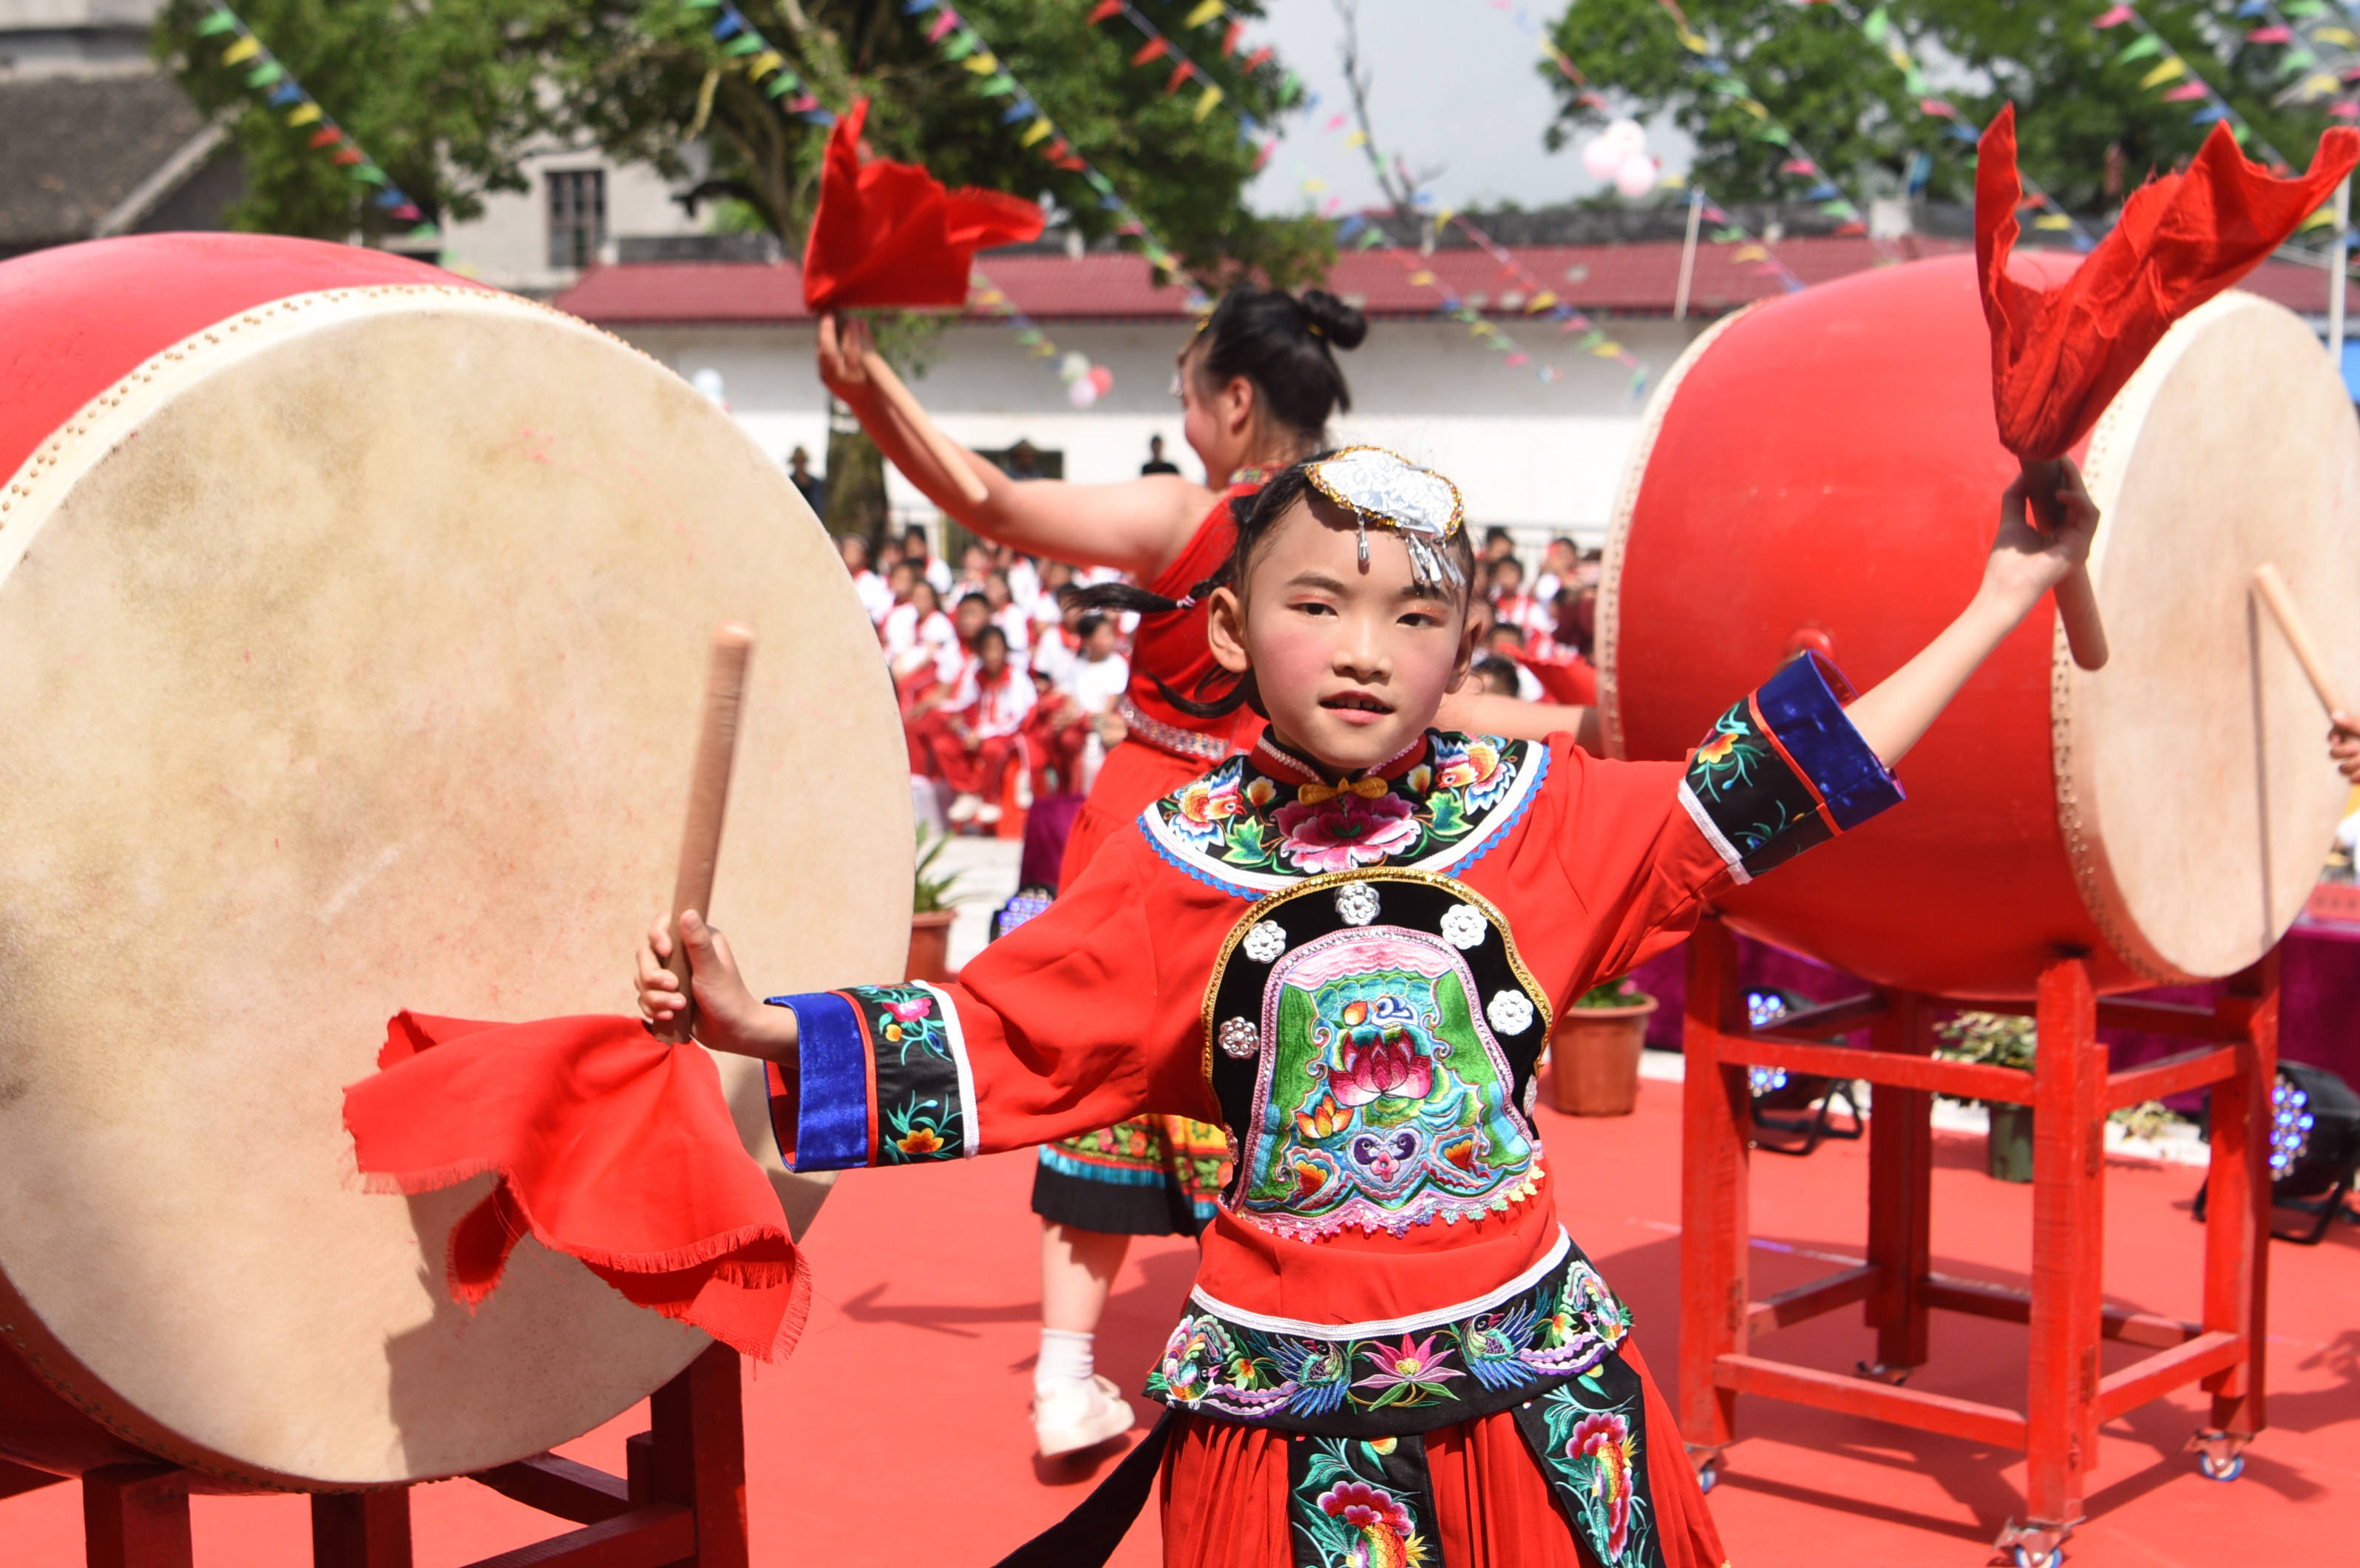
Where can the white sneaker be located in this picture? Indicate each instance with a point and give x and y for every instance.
(1082, 1415)
(964, 809)
(988, 815)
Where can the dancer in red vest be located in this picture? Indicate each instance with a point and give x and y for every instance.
(1258, 383)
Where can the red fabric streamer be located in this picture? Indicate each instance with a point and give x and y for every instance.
(889, 236)
(2059, 355)
(610, 1147)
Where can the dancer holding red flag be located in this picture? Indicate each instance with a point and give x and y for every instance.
(1258, 383)
(1347, 946)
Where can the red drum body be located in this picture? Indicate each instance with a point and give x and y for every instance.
(351, 625)
(1824, 470)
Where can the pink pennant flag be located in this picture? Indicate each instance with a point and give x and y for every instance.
(1335, 205)
(1336, 122)
(1519, 357)
(2188, 92)
(1798, 166)
(2347, 110)
(2274, 34)
(1937, 108)
(2115, 16)
(942, 23)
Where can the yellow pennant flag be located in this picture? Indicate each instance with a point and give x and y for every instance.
(1357, 138)
(766, 62)
(990, 297)
(1442, 219)
(1040, 131)
(1754, 107)
(1204, 106)
(1608, 350)
(1204, 14)
(2320, 219)
(245, 48)
(1673, 182)
(1750, 253)
(305, 115)
(1695, 41)
(982, 63)
(2052, 221)
(2336, 36)
(2320, 86)
(1421, 279)
(1540, 301)
(1312, 185)
(2169, 69)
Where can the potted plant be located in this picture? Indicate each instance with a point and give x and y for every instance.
(1997, 1040)
(1594, 1050)
(931, 911)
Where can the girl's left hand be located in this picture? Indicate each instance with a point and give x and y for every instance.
(2344, 746)
(2025, 562)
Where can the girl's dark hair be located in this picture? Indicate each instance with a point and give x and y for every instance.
(1286, 346)
(1219, 693)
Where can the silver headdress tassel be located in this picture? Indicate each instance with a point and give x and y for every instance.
(1385, 488)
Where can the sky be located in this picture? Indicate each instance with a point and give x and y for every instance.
(1453, 84)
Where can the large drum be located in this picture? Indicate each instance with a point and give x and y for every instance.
(1824, 470)
(352, 627)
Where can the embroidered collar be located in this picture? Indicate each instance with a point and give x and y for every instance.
(1283, 762)
(1264, 821)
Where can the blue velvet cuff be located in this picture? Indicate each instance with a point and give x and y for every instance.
(1803, 710)
(832, 1105)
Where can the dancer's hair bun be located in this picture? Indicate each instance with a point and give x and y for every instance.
(1330, 318)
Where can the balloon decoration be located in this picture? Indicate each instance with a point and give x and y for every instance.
(1619, 154)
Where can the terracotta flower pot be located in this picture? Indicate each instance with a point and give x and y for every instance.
(1594, 1059)
(930, 945)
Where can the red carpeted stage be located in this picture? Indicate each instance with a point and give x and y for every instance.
(899, 1429)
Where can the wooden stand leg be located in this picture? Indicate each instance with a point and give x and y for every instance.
(2237, 1197)
(135, 1516)
(361, 1529)
(1901, 1191)
(1715, 1287)
(2068, 1243)
(696, 1454)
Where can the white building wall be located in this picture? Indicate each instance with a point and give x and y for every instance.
(507, 247)
(1539, 458)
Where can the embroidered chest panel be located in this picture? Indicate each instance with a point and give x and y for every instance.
(1251, 832)
(1371, 1036)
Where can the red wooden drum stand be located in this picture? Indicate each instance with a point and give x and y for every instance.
(2234, 1054)
(684, 1502)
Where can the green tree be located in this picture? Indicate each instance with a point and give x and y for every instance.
(2086, 128)
(447, 95)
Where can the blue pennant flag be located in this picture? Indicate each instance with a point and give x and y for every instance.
(390, 198)
(1351, 226)
(2209, 113)
(731, 23)
(285, 93)
(913, 7)
(1959, 132)
(1022, 109)
(1824, 191)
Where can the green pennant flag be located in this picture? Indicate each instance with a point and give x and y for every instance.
(999, 86)
(1730, 236)
(1774, 135)
(1877, 25)
(780, 86)
(1840, 208)
(1371, 237)
(745, 43)
(215, 24)
(1916, 84)
(961, 45)
(369, 174)
(263, 75)
(2296, 62)
(1730, 87)
(421, 234)
(2304, 10)
(2140, 48)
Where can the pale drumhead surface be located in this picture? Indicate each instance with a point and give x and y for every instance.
(2192, 777)
(352, 664)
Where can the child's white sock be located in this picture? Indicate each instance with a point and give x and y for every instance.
(1065, 1360)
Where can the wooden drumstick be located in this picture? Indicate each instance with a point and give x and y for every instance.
(2077, 601)
(708, 800)
(2281, 604)
(948, 452)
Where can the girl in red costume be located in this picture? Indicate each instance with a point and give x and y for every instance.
(1258, 383)
(1347, 945)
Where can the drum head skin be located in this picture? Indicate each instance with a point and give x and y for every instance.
(1823, 471)
(2191, 770)
(353, 649)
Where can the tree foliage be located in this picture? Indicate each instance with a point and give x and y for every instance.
(447, 96)
(2080, 112)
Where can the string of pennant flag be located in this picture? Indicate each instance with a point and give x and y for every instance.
(2176, 82)
(1160, 46)
(765, 63)
(2320, 52)
(1723, 78)
(1727, 230)
(1876, 27)
(267, 75)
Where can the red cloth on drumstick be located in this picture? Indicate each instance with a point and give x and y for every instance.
(1571, 681)
(2059, 355)
(888, 234)
(610, 1146)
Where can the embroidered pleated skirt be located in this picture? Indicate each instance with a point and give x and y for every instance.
(1237, 1496)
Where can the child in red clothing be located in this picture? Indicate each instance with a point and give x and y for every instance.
(1346, 946)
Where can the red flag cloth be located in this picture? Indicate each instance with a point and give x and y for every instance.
(1571, 681)
(610, 1146)
(2059, 355)
(889, 236)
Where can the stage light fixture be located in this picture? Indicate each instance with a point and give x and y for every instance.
(1794, 1109)
(2314, 1148)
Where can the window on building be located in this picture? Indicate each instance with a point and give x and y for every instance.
(577, 216)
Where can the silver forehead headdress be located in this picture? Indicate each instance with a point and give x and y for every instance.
(1385, 488)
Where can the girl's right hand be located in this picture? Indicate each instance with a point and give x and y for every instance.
(728, 1015)
(844, 346)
